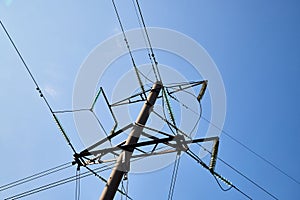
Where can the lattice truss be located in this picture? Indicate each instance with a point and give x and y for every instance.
(153, 142)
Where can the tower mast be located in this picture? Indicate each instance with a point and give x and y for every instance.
(123, 161)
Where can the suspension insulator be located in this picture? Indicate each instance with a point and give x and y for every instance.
(227, 182)
(61, 129)
(202, 91)
(214, 155)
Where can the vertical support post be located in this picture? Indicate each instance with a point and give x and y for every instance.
(123, 161)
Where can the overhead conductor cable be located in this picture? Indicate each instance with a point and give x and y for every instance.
(38, 87)
(129, 50)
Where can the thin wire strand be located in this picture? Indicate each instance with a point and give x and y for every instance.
(148, 39)
(123, 189)
(77, 183)
(195, 157)
(243, 175)
(71, 111)
(35, 176)
(193, 111)
(101, 178)
(253, 152)
(101, 125)
(245, 146)
(38, 87)
(79, 177)
(249, 149)
(70, 179)
(26, 67)
(128, 47)
(127, 187)
(146, 77)
(145, 40)
(58, 183)
(174, 176)
(240, 173)
(85, 109)
(253, 182)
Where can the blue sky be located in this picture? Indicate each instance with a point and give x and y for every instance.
(254, 44)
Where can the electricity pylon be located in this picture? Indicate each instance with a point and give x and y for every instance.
(177, 143)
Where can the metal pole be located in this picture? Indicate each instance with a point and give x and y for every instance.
(123, 161)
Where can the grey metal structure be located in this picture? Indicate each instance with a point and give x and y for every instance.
(123, 161)
(178, 142)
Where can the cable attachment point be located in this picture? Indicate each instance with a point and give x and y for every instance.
(180, 143)
(78, 161)
(125, 178)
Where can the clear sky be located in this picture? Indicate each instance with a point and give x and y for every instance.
(255, 45)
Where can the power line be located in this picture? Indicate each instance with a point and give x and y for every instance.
(102, 179)
(243, 145)
(60, 182)
(148, 39)
(128, 48)
(26, 67)
(193, 111)
(71, 111)
(253, 152)
(77, 185)
(174, 176)
(195, 157)
(241, 174)
(35, 176)
(38, 88)
(127, 185)
(67, 180)
(146, 42)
